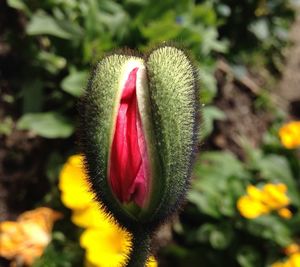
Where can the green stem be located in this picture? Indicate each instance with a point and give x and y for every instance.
(140, 248)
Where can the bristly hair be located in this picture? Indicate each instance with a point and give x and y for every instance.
(166, 209)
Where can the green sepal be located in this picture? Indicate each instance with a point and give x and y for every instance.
(173, 88)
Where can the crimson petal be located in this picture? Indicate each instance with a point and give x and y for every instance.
(128, 173)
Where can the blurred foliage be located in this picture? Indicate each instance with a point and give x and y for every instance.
(64, 38)
(257, 29)
(60, 41)
(211, 230)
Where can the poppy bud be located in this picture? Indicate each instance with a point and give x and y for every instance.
(138, 134)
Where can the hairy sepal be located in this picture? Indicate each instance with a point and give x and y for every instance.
(173, 86)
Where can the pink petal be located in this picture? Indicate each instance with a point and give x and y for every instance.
(129, 166)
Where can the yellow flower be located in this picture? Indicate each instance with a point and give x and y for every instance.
(295, 260)
(258, 202)
(292, 261)
(24, 240)
(250, 208)
(285, 213)
(106, 244)
(73, 184)
(151, 262)
(290, 134)
(274, 196)
(254, 192)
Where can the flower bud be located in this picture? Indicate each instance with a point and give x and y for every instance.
(138, 133)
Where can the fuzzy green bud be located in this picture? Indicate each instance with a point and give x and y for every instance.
(139, 119)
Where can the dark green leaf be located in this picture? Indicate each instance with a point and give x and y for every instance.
(41, 23)
(48, 125)
(75, 83)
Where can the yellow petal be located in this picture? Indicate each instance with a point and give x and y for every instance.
(26, 239)
(274, 197)
(281, 187)
(295, 260)
(43, 216)
(106, 247)
(285, 213)
(290, 134)
(76, 199)
(251, 209)
(254, 192)
(92, 216)
(73, 184)
(151, 262)
(35, 234)
(11, 237)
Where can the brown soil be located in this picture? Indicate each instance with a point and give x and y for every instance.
(244, 122)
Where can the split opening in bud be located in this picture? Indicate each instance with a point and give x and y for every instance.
(129, 163)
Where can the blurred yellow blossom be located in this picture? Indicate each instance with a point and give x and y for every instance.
(292, 261)
(24, 240)
(73, 184)
(106, 243)
(151, 262)
(274, 196)
(251, 208)
(75, 194)
(290, 134)
(257, 202)
(285, 213)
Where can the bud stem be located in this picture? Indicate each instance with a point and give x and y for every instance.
(140, 248)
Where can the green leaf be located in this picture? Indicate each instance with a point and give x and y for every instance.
(18, 4)
(260, 29)
(212, 43)
(207, 205)
(48, 125)
(276, 168)
(219, 236)
(32, 93)
(61, 253)
(220, 165)
(219, 181)
(248, 257)
(210, 114)
(208, 84)
(51, 62)
(163, 29)
(6, 126)
(75, 83)
(272, 228)
(42, 23)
